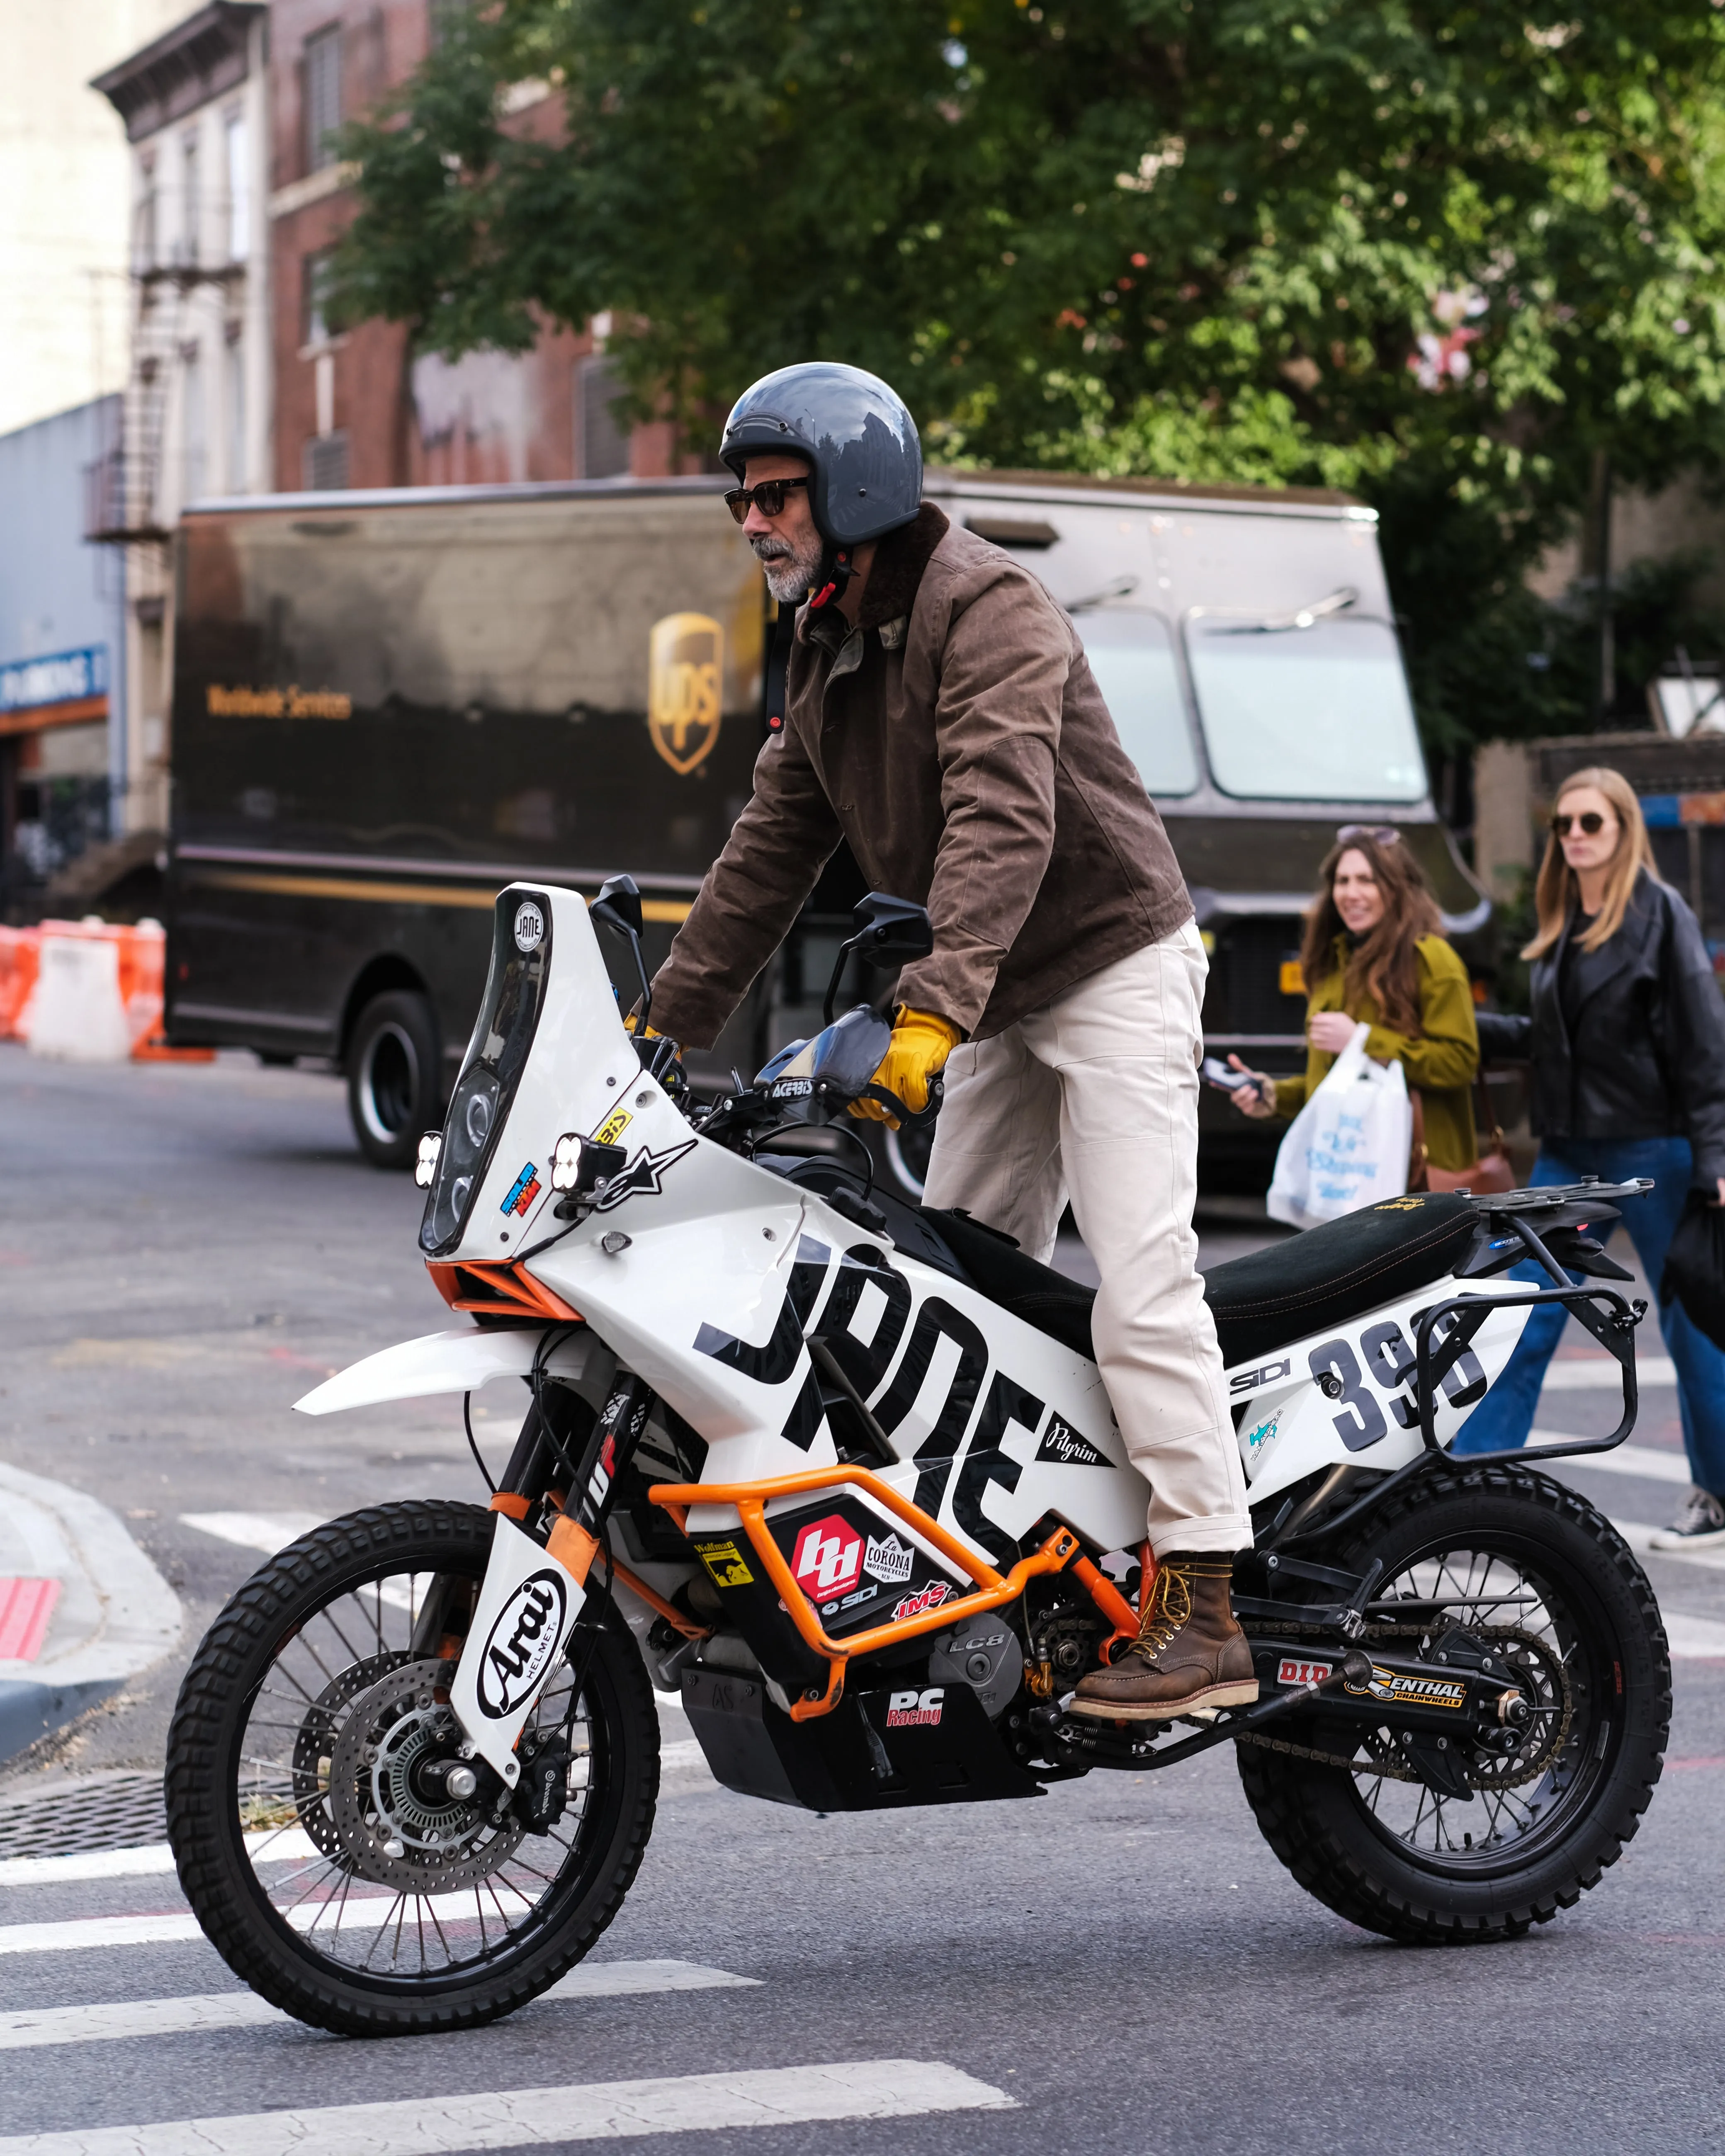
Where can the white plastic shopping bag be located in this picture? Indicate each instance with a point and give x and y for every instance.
(1349, 1145)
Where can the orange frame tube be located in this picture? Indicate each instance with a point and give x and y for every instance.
(992, 1589)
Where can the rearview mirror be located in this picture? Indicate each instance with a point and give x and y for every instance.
(618, 907)
(890, 932)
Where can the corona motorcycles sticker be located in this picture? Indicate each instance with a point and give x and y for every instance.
(890, 1560)
(527, 1633)
(685, 674)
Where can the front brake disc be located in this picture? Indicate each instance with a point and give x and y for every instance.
(396, 1826)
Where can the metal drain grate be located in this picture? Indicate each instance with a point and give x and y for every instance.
(99, 1811)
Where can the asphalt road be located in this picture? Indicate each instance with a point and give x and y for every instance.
(184, 1250)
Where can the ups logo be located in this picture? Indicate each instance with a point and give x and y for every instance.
(685, 672)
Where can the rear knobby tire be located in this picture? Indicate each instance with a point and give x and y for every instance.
(1321, 1820)
(215, 1791)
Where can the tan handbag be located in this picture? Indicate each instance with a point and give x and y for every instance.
(1491, 1173)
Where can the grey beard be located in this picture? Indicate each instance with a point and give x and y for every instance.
(788, 576)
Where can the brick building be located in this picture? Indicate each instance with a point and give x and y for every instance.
(354, 409)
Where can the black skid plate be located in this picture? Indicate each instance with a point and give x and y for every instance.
(914, 1745)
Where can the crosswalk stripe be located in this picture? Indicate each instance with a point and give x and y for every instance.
(31, 2027)
(519, 2118)
(338, 1913)
(1641, 1460)
(270, 1845)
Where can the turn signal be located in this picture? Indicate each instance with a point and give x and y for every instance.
(425, 1168)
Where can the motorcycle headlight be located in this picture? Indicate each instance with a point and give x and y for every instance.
(497, 1055)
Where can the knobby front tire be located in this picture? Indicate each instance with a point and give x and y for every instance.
(1527, 1557)
(316, 1690)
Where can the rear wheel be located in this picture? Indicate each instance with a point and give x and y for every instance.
(343, 1857)
(393, 1096)
(1519, 1560)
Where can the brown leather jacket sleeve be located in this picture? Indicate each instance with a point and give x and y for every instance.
(752, 894)
(1003, 673)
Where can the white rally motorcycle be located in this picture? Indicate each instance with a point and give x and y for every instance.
(842, 1474)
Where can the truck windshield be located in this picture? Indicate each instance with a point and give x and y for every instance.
(1133, 657)
(1313, 714)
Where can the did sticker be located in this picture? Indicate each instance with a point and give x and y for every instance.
(521, 1644)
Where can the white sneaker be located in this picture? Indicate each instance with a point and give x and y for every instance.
(1702, 1525)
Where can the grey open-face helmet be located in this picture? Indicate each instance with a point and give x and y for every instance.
(865, 460)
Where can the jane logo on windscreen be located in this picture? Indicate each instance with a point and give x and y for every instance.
(685, 681)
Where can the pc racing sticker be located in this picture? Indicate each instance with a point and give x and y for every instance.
(912, 1710)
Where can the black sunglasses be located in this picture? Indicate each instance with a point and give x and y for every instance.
(1386, 834)
(767, 495)
(1590, 820)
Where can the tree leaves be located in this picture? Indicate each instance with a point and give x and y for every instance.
(1437, 253)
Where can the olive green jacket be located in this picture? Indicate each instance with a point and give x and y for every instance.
(1442, 1059)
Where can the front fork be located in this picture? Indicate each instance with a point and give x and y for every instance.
(535, 1588)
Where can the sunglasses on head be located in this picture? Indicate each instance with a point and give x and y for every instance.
(1385, 834)
(1590, 821)
(766, 495)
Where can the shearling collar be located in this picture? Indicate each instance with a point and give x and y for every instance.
(900, 559)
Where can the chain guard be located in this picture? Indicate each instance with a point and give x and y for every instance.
(1518, 1767)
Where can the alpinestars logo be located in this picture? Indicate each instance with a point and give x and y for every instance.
(828, 1558)
(642, 1178)
(914, 1709)
(890, 1560)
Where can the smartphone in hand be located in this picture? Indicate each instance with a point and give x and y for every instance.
(1214, 1072)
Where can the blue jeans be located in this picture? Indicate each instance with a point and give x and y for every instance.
(1502, 1420)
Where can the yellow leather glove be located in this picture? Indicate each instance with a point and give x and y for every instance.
(632, 1024)
(921, 1044)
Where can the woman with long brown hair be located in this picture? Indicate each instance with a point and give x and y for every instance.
(1373, 952)
(1627, 1045)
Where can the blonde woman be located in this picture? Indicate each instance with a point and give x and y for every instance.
(1372, 952)
(1627, 1044)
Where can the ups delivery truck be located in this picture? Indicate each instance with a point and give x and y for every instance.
(388, 705)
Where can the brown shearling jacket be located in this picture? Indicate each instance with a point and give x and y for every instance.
(957, 738)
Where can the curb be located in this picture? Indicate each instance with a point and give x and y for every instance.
(117, 1615)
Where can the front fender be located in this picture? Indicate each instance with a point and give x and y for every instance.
(456, 1362)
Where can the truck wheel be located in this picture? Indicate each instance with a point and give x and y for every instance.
(393, 1096)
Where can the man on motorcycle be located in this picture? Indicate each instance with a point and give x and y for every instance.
(939, 715)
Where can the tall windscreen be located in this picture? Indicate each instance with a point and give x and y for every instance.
(1133, 657)
(1318, 713)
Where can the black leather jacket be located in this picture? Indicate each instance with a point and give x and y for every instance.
(1647, 1057)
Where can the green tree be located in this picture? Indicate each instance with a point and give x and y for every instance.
(1441, 254)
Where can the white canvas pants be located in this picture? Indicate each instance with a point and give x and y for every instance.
(1095, 1097)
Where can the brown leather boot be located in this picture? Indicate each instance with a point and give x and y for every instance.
(1189, 1652)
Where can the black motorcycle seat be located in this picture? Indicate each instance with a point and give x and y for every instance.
(1301, 1286)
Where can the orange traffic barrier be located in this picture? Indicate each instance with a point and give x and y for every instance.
(20, 955)
(141, 956)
